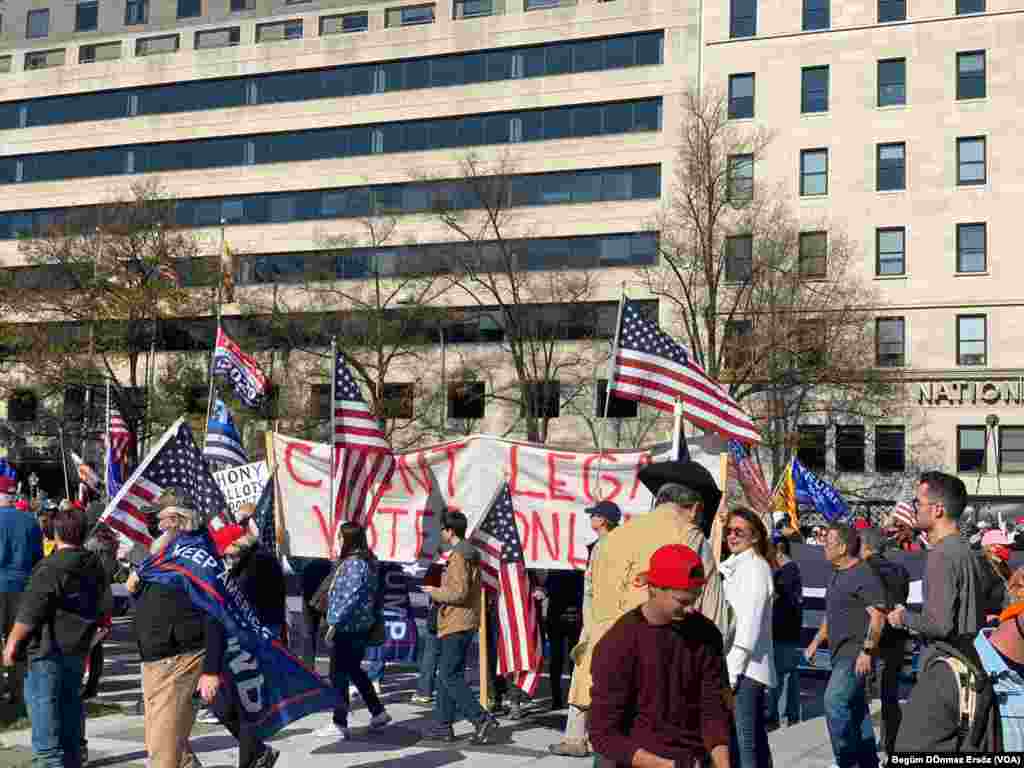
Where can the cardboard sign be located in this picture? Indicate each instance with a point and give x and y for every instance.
(242, 484)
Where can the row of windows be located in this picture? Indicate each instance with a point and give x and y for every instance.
(972, 449)
(817, 14)
(890, 443)
(334, 82)
(296, 146)
(971, 341)
(583, 186)
(891, 85)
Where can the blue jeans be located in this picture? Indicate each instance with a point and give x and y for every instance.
(347, 665)
(846, 714)
(453, 694)
(428, 664)
(53, 695)
(748, 746)
(787, 671)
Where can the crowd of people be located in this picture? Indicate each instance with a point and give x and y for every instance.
(682, 637)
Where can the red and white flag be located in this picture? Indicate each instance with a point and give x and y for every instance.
(651, 367)
(363, 459)
(503, 572)
(120, 436)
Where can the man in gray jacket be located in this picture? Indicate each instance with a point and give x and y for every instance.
(954, 582)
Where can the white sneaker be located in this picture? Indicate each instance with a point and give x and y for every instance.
(379, 721)
(333, 731)
(207, 717)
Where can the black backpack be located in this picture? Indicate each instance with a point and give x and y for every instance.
(980, 729)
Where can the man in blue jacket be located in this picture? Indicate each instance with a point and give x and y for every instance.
(21, 547)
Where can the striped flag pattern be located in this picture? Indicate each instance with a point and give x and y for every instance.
(755, 488)
(175, 461)
(651, 367)
(223, 443)
(503, 572)
(120, 436)
(88, 480)
(363, 458)
(247, 379)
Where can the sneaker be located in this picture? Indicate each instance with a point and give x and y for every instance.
(267, 759)
(570, 748)
(379, 721)
(484, 730)
(206, 717)
(439, 734)
(422, 701)
(333, 731)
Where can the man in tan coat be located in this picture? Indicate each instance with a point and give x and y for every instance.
(458, 621)
(626, 552)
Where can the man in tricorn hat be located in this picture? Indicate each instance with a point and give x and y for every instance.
(684, 492)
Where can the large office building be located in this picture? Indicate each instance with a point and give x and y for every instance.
(280, 126)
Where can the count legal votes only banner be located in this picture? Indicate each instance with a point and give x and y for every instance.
(551, 488)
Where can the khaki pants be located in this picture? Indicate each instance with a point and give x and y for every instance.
(167, 687)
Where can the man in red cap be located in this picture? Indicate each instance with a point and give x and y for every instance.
(658, 675)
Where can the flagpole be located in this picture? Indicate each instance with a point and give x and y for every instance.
(608, 390)
(64, 461)
(677, 428)
(330, 441)
(213, 354)
(106, 442)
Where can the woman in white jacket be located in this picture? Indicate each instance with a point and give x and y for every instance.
(747, 580)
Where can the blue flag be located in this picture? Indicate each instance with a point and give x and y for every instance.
(264, 517)
(223, 443)
(810, 489)
(400, 631)
(275, 688)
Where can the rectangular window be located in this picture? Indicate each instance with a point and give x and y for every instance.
(536, 5)
(813, 254)
(892, 82)
(320, 402)
(217, 38)
(970, 75)
(469, 9)
(815, 15)
(890, 449)
(970, 6)
(466, 399)
(890, 342)
(148, 46)
(740, 178)
(279, 30)
(739, 258)
(738, 353)
(850, 448)
(409, 16)
(1011, 450)
(188, 9)
(44, 59)
(87, 14)
(741, 96)
(891, 169)
(37, 23)
(970, 340)
(5, 64)
(892, 10)
(88, 54)
(971, 244)
(397, 400)
(542, 399)
(890, 251)
(242, 5)
(813, 172)
(970, 161)
(136, 12)
(348, 22)
(811, 451)
(814, 89)
(742, 18)
(618, 408)
(970, 450)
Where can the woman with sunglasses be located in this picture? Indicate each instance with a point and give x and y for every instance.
(749, 589)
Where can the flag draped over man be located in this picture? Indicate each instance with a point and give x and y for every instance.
(248, 380)
(223, 443)
(651, 367)
(503, 572)
(363, 458)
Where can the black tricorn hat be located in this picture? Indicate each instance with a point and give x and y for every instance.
(689, 473)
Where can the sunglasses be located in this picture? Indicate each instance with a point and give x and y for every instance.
(739, 533)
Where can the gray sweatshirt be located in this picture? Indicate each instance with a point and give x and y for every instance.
(954, 602)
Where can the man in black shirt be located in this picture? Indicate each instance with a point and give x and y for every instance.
(787, 623)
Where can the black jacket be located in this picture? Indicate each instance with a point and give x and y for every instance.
(65, 598)
(261, 579)
(565, 597)
(166, 622)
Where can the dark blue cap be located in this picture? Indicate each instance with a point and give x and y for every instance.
(609, 510)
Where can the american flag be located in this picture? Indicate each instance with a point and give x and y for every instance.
(266, 524)
(755, 488)
(651, 367)
(247, 378)
(119, 435)
(88, 480)
(503, 571)
(363, 458)
(175, 461)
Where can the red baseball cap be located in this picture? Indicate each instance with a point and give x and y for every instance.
(226, 536)
(860, 524)
(676, 566)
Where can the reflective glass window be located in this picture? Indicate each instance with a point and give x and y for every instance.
(619, 52)
(559, 58)
(588, 56)
(586, 120)
(445, 71)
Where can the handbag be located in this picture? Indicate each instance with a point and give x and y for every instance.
(318, 602)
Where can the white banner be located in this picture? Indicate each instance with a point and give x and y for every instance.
(551, 488)
(242, 484)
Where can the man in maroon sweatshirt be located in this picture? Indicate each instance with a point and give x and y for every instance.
(658, 675)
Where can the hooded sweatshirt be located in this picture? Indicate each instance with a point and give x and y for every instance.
(459, 593)
(65, 599)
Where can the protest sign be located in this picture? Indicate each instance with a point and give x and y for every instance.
(242, 484)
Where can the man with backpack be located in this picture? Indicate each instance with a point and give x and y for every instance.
(893, 643)
(970, 694)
